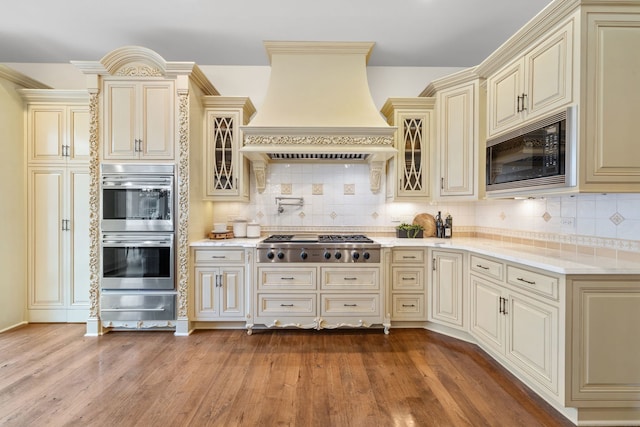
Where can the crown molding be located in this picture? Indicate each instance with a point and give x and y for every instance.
(240, 102)
(462, 76)
(55, 95)
(327, 48)
(20, 79)
(393, 104)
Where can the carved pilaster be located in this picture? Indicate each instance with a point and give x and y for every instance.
(94, 206)
(183, 203)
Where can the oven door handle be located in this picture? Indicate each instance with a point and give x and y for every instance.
(134, 309)
(137, 242)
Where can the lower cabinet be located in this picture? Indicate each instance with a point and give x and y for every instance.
(446, 289)
(219, 285)
(408, 284)
(317, 297)
(58, 244)
(519, 327)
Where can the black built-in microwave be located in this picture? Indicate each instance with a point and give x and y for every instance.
(539, 156)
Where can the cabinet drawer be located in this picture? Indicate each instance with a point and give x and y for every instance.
(208, 256)
(350, 279)
(408, 307)
(407, 279)
(289, 305)
(408, 255)
(351, 305)
(287, 278)
(137, 307)
(533, 281)
(487, 267)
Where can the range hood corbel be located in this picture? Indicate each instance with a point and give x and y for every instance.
(318, 108)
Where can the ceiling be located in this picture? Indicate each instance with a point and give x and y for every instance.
(426, 33)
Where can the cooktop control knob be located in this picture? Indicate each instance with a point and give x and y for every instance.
(271, 255)
(303, 255)
(355, 255)
(280, 255)
(366, 255)
(338, 255)
(327, 255)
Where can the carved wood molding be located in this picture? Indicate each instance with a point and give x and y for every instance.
(94, 206)
(183, 204)
(319, 140)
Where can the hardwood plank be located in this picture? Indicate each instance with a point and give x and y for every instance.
(53, 375)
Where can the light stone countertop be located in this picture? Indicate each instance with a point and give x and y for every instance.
(557, 261)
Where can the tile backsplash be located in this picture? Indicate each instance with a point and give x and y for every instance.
(337, 197)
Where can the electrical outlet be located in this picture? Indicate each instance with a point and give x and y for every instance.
(568, 221)
(395, 219)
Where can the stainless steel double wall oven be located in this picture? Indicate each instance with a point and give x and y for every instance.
(138, 247)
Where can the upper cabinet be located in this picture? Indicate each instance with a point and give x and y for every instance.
(575, 53)
(226, 170)
(139, 120)
(459, 149)
(533, 84)
(57, 126)
(408, 173)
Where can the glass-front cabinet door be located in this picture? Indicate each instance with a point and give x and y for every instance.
(409, 171)
(226, 171)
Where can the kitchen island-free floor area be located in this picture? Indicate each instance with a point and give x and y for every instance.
(50, 374)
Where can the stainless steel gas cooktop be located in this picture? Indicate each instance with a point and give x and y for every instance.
(335, 248)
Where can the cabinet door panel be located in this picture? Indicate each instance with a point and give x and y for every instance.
(487, 323)
(446, 289)
(503, 90)
(205, 294)
(157, 121)
(79, 181)
(532, 339)
(232, 292)
(457, 165)
(550, 71)
(46, 133)
(46, 262)
(120, 110)
(79, 134)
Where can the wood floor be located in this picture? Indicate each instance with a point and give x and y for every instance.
(51, 375)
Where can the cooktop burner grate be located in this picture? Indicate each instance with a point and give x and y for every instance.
(323, 238)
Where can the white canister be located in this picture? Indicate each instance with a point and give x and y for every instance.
(240, 228)
(253, 230)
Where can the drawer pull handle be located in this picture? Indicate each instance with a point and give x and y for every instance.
(350, 305)
(132, 309)
(408, 257)
(350, 278)
(286, 278)
(218, 256)
(526, 281)
(407, 278)
(286, 305)
(408, 305)
(482, 266)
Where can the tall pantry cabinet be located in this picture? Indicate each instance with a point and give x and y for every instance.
(57, 150)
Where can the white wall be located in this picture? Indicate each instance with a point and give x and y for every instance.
(13, 283)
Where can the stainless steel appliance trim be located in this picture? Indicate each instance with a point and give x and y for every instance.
(569, 179)
(137, 306)
(132, 240)
(142, 169)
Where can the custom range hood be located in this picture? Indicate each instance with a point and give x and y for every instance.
(318, 108)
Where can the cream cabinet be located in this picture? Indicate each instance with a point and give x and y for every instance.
(226, 170)
(408, 284)
(57, 133)
(57, 176)
(536, 83)
(408, 172)
(139, 120)
(460, 135)
(446, 289)
(219, 284)
(58, 244)
(318, 297)
(517, 323)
